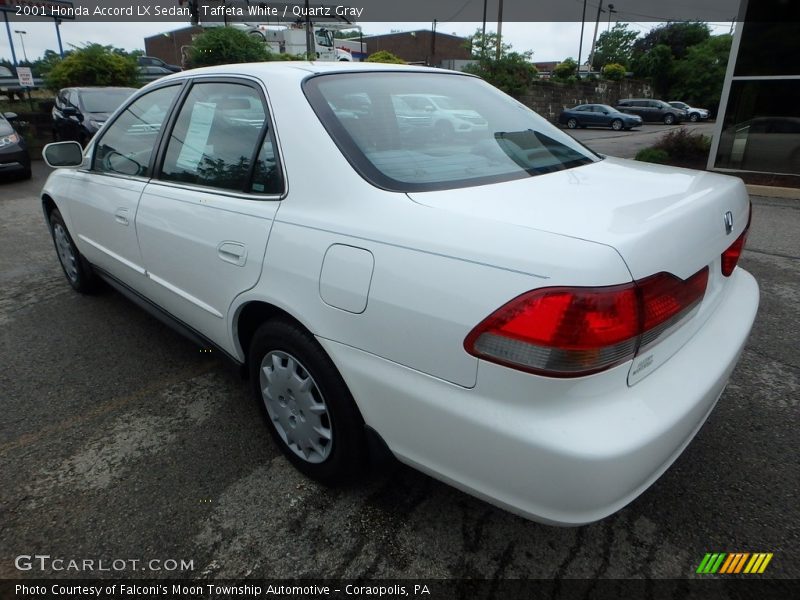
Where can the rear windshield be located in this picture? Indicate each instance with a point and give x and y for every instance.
(419, 131)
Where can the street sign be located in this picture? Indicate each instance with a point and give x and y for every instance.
(25, 76)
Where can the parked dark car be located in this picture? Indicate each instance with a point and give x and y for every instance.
(694, 114)
(79, 113)
(652, 110)
(597, 115)
(152, 61)
(14, 155)
(148, 74)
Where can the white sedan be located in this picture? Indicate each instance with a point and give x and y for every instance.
(538, 325)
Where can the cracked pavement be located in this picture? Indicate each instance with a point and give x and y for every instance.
(119, 439)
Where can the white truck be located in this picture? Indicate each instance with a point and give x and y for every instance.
(290, 38)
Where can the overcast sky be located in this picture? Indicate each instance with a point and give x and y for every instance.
(549, 41)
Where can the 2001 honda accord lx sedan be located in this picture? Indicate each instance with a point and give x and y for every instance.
(538, 325)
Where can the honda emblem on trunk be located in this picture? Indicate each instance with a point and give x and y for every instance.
(728, 218)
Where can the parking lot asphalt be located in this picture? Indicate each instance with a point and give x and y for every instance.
(626, 144)
(121, 440)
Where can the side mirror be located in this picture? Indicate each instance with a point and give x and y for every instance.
(70, 111)
(63, 154)
(10, 116)
(124, 165)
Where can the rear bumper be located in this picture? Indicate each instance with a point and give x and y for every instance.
(559, 451)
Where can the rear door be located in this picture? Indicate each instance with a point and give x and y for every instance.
(204, 221)
(596, 115)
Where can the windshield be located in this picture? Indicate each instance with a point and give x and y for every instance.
(104, 101)
(395, 144)
(5, 126)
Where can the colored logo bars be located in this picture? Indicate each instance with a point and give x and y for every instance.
(728, 563)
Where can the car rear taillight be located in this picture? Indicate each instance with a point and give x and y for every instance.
(576, 331)
(731, 256)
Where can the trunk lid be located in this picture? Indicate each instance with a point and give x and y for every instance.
(657, 218)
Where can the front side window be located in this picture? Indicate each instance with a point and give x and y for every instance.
(127, 144)
(459, 131)
(216, 135)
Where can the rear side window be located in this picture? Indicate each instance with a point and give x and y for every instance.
(429, 131)
(220, 138)
(127, 144)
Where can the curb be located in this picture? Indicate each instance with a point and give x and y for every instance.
(769, 191)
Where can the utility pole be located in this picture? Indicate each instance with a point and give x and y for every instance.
(610, 10)
(499, 49)
(483, 30)
(310, 54)
(433, 44)
(580, 45)
(22, 41)
(594, 39)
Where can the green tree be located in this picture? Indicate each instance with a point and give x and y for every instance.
(565, 69)
(657, 65)
(384, 56)
(480, 44)
(226, 45)
(614, 46)
(614, 71)
(347, 34)
(678, 37)
(512, 73)
(698, 78)
(42, 66)
(93, 64)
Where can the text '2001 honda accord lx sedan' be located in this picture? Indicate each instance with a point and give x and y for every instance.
(540, 326)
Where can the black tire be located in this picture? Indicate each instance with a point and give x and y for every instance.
(616, 125)
(572, 123)
(26, 173)
(344, 455)
(669, 119)
(76, 268)
(694, 117)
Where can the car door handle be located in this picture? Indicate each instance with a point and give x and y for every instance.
(232, 252)
(121, 216)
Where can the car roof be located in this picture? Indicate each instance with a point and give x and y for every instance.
(98, 88)
(299, 70)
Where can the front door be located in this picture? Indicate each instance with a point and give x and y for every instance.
(105, 197)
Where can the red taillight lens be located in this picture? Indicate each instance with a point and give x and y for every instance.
(569, 332)
(730, 257)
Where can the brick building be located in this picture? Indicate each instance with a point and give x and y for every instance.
(167, 46)
(420, 46)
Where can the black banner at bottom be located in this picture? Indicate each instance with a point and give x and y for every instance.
(711, 588)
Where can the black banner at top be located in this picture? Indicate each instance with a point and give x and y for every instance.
(354, 11)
